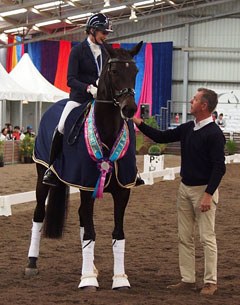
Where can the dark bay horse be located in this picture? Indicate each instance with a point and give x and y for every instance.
(98, 156)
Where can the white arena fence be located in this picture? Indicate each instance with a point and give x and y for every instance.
(153, 169)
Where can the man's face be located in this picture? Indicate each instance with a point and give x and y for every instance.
(197, 104)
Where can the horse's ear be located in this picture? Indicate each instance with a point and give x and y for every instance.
(109, 49)
(134, 51)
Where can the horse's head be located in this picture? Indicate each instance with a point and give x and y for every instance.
(117, 81)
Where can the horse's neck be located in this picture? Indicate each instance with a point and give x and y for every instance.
(108, 122)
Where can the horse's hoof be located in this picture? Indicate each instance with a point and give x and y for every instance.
(121, 288)
(120, 282)
(89, 288)
(31, 271)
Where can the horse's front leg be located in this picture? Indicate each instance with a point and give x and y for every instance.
(120, 279)
(37, 223)
(87, 236)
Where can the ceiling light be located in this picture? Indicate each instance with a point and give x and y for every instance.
(81, 16)
(14, 12)
(20, 29)
(106, 3)
(47, 5)
(112, 9)
(35, 28)
(142, 3)
(171, 2)
(148, 2)
(71, 3)
(48, 22)
(133, 15)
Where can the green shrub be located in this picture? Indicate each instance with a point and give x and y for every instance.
(1, 150)
(157, 149)
(26, 146)
(151, 121)
(231, 147)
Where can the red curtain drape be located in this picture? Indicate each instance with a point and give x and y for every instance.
(62, 66)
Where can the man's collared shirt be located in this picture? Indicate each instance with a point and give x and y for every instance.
(202, 123)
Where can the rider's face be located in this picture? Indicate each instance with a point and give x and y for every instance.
(101, 36)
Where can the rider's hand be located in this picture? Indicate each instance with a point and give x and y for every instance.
(93, 90)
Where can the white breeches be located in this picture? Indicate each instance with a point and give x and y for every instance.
(67, 109)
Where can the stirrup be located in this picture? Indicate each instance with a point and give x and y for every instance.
(139, 181)
(50, 178)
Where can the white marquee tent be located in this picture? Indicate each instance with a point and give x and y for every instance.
(28, 76)
(11, 90)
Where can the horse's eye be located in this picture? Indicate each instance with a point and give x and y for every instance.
(114, 72)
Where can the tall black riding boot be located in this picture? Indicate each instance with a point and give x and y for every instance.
(49, 177)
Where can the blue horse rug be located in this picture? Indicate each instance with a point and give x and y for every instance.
(75, 166)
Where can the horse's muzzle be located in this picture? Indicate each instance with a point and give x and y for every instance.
(128, 110)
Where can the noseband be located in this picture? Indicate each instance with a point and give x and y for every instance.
(118, 93)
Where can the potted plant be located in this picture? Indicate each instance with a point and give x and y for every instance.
(26, 148)
(231, 147)
(157, 149)
(1, 153)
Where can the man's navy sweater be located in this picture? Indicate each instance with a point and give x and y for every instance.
(202, 152)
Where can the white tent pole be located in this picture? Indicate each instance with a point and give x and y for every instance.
(21, 114)
(1, 118)
(36, 117)
(4, 111)
(40, 112)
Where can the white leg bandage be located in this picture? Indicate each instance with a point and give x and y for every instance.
(35, 239)
(118, 254)
(88, 256)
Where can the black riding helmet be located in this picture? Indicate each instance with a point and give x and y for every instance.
(99, 22)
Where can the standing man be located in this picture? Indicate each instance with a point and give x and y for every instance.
(85, 65)
(202, 168)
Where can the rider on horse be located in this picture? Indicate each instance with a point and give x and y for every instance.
(85, 66)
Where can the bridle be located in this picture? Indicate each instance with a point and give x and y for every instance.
(118, 93)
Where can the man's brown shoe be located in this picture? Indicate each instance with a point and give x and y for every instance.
(183, 286)
(208, 289)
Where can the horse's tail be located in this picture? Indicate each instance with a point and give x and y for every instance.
(56, 211)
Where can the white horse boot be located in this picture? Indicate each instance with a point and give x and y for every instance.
(89, 277)
(81, 240)
(120, 279)
(33, 252)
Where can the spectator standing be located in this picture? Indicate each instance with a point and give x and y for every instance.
(17, 135)
(29, 131)
(4, 133)
(221, 121)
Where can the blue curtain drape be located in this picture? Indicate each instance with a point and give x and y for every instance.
(140, 62)
(162, 75)
(34, 50)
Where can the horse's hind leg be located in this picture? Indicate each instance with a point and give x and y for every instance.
(120, 279)
(87, 236)
(37, 223)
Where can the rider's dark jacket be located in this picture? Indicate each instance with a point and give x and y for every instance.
(82, 71)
